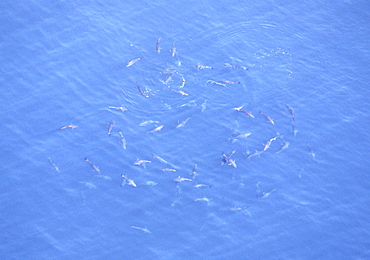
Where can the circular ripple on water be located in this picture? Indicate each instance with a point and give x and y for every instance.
(273, 53)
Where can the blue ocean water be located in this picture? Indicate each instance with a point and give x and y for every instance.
(65, 62)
